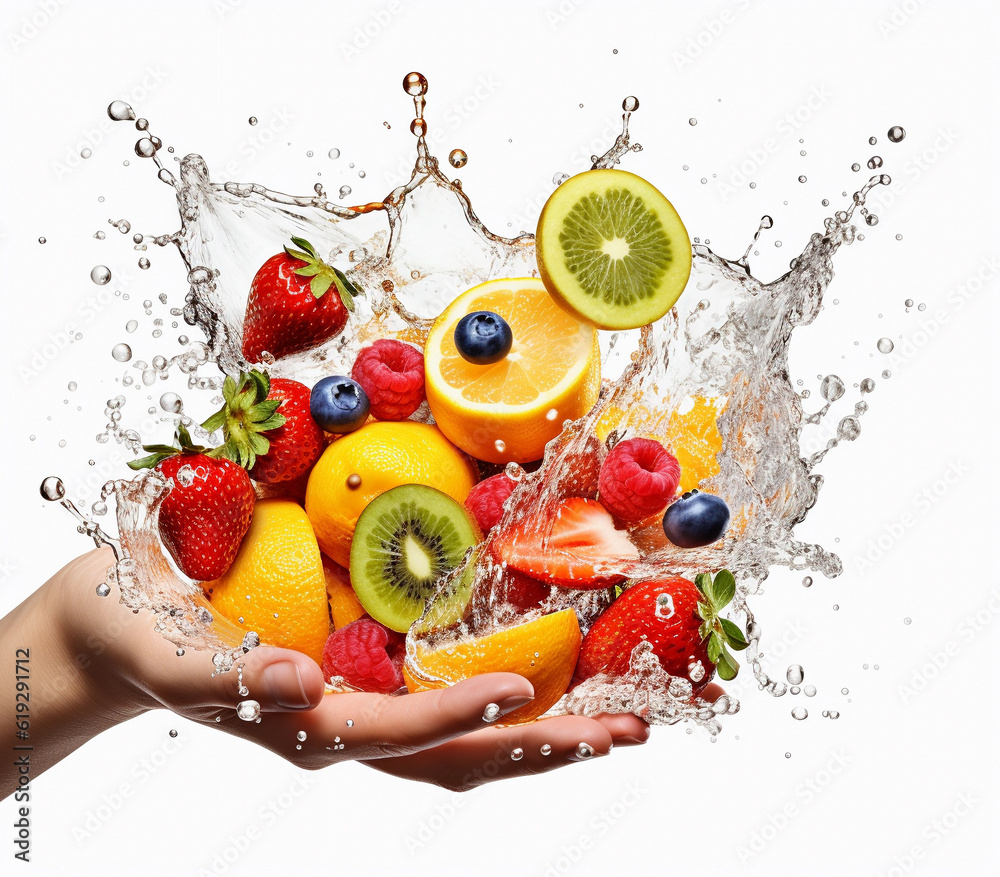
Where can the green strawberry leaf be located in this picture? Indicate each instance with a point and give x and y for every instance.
(724, 588)
(705, 630)
(296, 254)
(715, 647)
(320, 284)
(707, 613)
(704, 582)
(727, 666)
(215, 421)
(310, 270)
(734, 636)
(303, 244)
(150, 462)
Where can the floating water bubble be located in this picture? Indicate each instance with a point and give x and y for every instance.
(345, 191)
(696, 671)
(896, 134)
(415, 84)
(103, 590)
(794, 674)
(458, 158)
(871, 219)
(800, 713)
(333, 153)
(802, 178)
(867, 385)
(559, 178)
(809, 691)
(100, 274)
(832, 388)
(517, 754)
(872, 141)
(874, 162)
(172, 732)
(120, 111)
(886, 374)
(491, 713)
(836, 607)
(248, 710)
(794, 689)
(788, 755)
(834, 714)
(665, 607)
(171, 403)
(855, 167)
(885, 345)
(692, 122)
(350, 723)
(301, 736)
(907, 620)
(545, 749)
(807, 582)
(142, 124)
(121, 352)
(583, 750)
(500, 445)
(145, 148)
(848, 429)
(250, 641)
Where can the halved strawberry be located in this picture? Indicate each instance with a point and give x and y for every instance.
(581, 550)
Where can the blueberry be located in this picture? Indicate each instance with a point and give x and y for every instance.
(338, 404)
(696, 519)
(483, 337)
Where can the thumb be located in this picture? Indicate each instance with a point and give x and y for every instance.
(280, 679)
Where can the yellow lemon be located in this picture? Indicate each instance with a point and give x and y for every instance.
(366, 463)
(276, 585)
(508, 410)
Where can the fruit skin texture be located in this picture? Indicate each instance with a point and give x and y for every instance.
(696, 519)
(295, 445)
(383, 456)
(638, 478)
(280, 568)
(202, 524)
(583, 551)
(560, 281)
(474, 411)
(338, 404)
(392, 374)
(554, 638)
(345, 606)
(672, 627)
(486, 500)
(283, 314)
(367, 654)
(483, 337)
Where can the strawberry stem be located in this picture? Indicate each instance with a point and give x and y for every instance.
(245, 416)
(323, 275)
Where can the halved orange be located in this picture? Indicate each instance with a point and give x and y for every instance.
(544, 651)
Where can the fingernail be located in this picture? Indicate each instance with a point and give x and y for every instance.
(509, 704)
(629, 740)
(283, 685)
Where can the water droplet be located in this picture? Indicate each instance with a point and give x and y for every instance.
(664, 606)
(252, 120)
(250, 641)
(333, 153)
(415, 84)
(807, 582)
(836, 607)
(491, 713)
(871, 219)
(583, 750)
(418, 127)
(794, 674)
(144, 263)
(500, 445)
(886, 374)
(99, 508)
(896, 134)
(345, 191)
(103, 590)
(458, 158)
(848, 429)
(171, 403)
(120, 111)
(794, 689)
(834, 714)
(855, 167)
(52, 488)
(350, 723)
(874, 162)
(800, 713)
(802, 178)
(788, 755)
(301, 736)
(517, 754)
(172, 732)
(100, 274)
(692, 122)
(832, 388)
(809, 691)
(885, 345)
(867, 385)
(696, 671)
(145, 148)
(179, 653)
(546, 749)
(907, 620)
(248, 710)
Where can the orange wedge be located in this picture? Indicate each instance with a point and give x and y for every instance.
(510, 409)
(544, 651)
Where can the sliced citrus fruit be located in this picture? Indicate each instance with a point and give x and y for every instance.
(612, 249)
(695, 438)
(544, 651)
(275, 586)
(508, 410)
(369, 461)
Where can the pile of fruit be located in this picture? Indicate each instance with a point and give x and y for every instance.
(382, 483)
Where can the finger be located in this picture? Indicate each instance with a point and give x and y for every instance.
(501, 753)
(625, 729)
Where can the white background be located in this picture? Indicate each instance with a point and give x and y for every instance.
(905, 781)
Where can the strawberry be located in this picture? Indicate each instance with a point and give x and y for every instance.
(679, 618)
(288, 309)
(207, 512)
(583, 550)
(267, 427)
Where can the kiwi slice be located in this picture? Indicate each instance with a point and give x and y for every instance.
(612, 250)
(406, 540)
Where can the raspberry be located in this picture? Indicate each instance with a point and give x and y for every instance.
(367, 654)
(638, 479)
(486, 500)
(392, 374)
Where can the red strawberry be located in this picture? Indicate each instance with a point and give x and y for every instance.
(367, 655)
(486, 500)
(289, 310)
(267, 427)
(207, 512)
(582, 551)
(678, 618)
(639, 477)
(392, 374)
